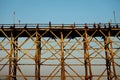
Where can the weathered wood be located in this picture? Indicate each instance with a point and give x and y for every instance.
(63, 44)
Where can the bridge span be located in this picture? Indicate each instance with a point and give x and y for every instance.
(60, 51)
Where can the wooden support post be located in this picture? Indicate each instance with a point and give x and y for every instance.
(108, 56)
(10, 58)
(85, 58)
(62, 58)
(109, 59)
(112, 59)
(37, 58)
(15, 58)
(87, 64)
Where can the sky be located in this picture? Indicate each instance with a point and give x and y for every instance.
(59, 11)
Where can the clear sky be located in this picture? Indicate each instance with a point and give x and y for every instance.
(59, 11)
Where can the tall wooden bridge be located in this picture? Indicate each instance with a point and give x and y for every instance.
(60, 51)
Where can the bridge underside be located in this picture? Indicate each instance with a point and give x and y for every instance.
(60, 52)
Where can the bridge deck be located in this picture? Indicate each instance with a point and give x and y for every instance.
(57, 28)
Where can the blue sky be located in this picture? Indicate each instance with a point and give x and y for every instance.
(59, 11)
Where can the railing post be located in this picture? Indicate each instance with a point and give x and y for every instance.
(49, 24)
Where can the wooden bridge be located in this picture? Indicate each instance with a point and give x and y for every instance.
(60, 51)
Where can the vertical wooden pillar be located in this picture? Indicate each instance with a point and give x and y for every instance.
(85, 56)
(10, 57)
(62, 58)
(37, 57)
(13, 57)
(87, 64)
(108, 56)
(112, 61)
